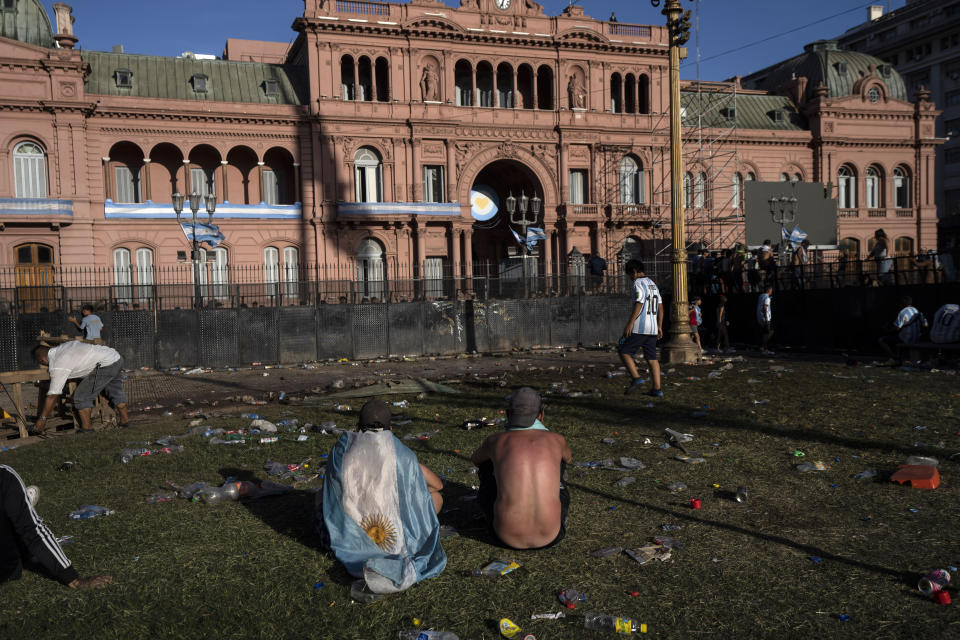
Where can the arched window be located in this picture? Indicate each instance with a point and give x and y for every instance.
(525, 86)
(29, 171)
(370, 269)
(871, 188)
(144, 274)
(545, 88)
(631, 181)
(630, 94)
(368, 176)
(903, 246)
(219, 273)
(271, 270)
(364, 79)
(847, 188)
(736, 190)
(122, 275)
(347, 80)
(852, 247)
(383, 80)
(784, 177)
(463, 79)
(505, 86)
(901, 188)
(687, 190)
(291, 272)
(616, 93)
(484, 84)
(643, 94)
(750, 177)
(796, 178)
(700, 191)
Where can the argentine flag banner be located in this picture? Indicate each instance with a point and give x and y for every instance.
(209, 233)
(379, 513)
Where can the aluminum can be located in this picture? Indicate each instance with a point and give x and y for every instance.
(936, 580)
(742, 494)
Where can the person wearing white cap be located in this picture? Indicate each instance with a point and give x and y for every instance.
(521, 470)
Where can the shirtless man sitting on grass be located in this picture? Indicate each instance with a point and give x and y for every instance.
(521, 470)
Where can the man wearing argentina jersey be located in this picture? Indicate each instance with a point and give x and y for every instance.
(23, 533)
(946, 324)
(643, 329)
(906, 329)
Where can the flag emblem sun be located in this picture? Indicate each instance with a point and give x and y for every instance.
(380, 529)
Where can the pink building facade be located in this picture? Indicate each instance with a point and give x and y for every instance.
(387, 139)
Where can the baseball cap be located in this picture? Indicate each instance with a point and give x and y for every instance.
(374, 415)
(525, 404)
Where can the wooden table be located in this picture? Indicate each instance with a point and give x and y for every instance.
(16, 379)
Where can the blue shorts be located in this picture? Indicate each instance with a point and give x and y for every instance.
(638, 341)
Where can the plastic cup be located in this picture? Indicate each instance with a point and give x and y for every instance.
(695, 503)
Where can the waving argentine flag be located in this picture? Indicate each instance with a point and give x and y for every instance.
(209, 233)
(379, 513)
(534, 235)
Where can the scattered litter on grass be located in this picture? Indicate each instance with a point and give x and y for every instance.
(815, 559)
(667, 543)
(65, 540)
(548, 616)
(871, 473)
(496, 569)
(812, 466)
(623, 482)
(160, 496)
(88, 511)
(127, 455)
(606, 552)
(690, 460)
(608, 441)
(643, 555)
(508, 628)
(570, 598)
(423, 435)
(674, 487)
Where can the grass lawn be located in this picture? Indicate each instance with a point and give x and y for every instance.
(247, 570)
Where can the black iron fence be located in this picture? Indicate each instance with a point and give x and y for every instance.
(48, 288)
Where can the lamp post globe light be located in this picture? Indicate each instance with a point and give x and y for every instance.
(678, 347)
(195, 200)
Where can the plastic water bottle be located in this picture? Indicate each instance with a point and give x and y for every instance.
(129, 454)
(427, 635)
(360, 593)
(213, 495)
(872, 473)
(89, 511)
(496, 569)
(251, 416)
(603, 622)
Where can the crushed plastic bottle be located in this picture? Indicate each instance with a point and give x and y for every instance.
(496, 569)
(570, 598)
(925, 461)
(129, 454)
(602, 622)
(403, 404)
(427, 635)
(811, 466)
(361, 593)
(674, 487)
(88, 511)
(251, 416)
(342, 407)
(623, 482)
(872, 473)
(160, 496)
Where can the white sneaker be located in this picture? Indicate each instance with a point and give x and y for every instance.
(33, 492)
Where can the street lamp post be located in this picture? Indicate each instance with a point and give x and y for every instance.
(679, 347)
(533, 204)
(783, 209)
(210, 201)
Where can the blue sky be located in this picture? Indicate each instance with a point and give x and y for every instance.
(202, 26)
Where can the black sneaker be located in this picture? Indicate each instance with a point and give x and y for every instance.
(635, 385)
(655, 393)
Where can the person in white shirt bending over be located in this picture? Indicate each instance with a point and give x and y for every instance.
(643, 329)
(100, 369)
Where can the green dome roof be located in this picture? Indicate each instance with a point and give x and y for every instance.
(838, 69)
(27, 22)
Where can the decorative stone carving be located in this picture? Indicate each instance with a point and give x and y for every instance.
(578, 152)
(65, 18)
(577, 90)
(464, 151)
(432, 149)
(430, 80)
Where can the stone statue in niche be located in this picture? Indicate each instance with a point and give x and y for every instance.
(577, 91)
(430, 84)
(533, 7)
